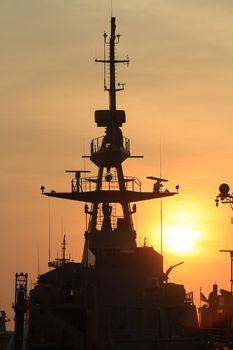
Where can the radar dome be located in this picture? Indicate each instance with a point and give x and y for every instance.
(224, 189)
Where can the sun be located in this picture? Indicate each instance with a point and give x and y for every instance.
(180, 238)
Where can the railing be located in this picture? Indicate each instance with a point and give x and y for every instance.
(109, 182)
(100, 144)
(89, 184)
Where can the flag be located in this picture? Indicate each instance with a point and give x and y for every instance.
(203, 298)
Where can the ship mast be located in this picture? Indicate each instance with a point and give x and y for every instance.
(112, 92)
(110, 229)
(62, 260)
(112, 61)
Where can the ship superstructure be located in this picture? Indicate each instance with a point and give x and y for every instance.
(110, 192)
(5, 335)
(216, 311)
(118, 296)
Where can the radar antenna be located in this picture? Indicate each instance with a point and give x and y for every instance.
(158, 184)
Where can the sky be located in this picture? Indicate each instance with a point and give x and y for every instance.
(178, 99)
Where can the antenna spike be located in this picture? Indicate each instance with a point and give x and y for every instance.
(110, 59)
(111, 8)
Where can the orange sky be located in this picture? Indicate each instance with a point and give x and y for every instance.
(178, 90)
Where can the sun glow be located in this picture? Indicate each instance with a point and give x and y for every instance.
(180, 238)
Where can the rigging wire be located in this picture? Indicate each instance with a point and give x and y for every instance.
(161, 201)
(84, 167)
(49, 238)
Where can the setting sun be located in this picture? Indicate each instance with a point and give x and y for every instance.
(183, 233)
(150, 159)
(180, 238)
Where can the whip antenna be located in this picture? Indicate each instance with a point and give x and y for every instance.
(161, 201)
(111, 8)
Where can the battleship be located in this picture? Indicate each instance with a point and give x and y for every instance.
(118, 296)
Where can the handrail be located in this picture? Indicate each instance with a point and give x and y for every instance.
(89, 184)
(98, 145)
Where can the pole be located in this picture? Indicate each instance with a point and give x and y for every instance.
(49, 235)
(161, 203)
(231, 271)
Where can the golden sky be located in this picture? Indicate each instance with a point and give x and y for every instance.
(178, 90)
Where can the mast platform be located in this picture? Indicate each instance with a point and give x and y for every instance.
(109, 196)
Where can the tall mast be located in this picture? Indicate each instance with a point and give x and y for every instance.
(64, 249)
(113, 41)
(112, 92)
(110, 193)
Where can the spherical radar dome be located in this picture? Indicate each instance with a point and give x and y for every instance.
(224, 189)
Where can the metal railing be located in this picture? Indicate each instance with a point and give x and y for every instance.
(99, 144)
(89, 184)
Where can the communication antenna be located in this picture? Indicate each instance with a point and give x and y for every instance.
(38, 262)
(161, 201)
(64, 249)
(84, 153)
(62, 227)
(110, 85)
(105, 79)
(111, 7)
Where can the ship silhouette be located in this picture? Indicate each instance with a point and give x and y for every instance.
(119, 296)
(5, 335)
